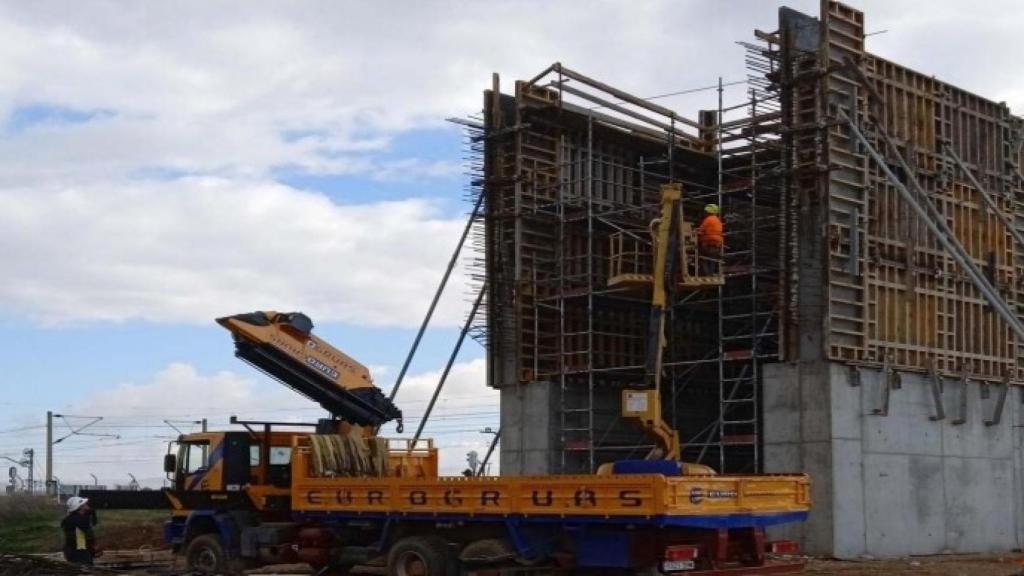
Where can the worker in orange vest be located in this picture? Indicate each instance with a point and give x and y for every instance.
(710, 237)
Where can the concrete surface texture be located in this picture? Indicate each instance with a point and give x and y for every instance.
(902, 483)
(529, 429)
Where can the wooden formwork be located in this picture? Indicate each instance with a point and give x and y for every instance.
(893, 293)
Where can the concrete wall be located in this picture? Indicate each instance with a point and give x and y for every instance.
(529, 429)
(898, 484)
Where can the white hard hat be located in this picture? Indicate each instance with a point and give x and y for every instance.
(76, 502)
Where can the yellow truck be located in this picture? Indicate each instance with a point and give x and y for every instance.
(338, 495)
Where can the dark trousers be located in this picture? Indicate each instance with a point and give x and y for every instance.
(83, 557)
(710, 259)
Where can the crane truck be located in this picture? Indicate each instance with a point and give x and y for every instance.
(339, 495)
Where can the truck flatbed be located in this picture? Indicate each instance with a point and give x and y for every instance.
(720, 501)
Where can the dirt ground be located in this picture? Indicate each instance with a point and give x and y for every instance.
(160, 563)
(969, 565)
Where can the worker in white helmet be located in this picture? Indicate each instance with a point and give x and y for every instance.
(79, 539)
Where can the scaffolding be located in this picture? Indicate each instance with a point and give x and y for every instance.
(823, 260)
(590, 160)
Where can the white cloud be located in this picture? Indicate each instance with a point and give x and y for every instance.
(136, 412)
(230, 91)
(193, 249)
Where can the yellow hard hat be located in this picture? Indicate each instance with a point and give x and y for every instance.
(711, 208)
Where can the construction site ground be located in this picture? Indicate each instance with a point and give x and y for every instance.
(965, 565)
(30, 526)
(970, 565)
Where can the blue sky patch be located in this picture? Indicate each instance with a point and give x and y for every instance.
(73, 363)
(404, 172)
(29, 115)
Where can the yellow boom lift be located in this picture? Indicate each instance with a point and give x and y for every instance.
(676, 265)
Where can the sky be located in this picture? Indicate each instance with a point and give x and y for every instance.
(164, 164)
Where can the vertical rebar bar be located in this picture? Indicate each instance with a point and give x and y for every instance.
(590, 292)
(754, 340)
(721, 292)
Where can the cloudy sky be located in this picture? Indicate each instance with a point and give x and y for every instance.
(165, 163)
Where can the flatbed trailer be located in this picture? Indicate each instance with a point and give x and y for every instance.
(696, 524)
(719, 501)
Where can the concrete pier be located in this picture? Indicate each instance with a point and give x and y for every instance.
(899, 483)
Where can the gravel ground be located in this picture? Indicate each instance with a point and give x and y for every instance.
(969, 565)
(946, 565)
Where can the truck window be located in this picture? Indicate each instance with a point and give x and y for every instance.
(195, 457)
(280, 455)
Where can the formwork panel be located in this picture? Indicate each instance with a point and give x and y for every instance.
(894, 294)
(824, 259)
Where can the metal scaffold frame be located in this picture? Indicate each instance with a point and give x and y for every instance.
(824, 260)
(587, 170)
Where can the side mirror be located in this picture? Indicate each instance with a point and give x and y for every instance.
(170, 463)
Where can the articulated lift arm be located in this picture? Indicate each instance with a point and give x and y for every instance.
(646, 404)
(284, 346)
(670, 250)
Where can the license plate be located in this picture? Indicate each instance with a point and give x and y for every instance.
(676, 565)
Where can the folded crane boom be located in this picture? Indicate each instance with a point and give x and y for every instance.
(284, 346)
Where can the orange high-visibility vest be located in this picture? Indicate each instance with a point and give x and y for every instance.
(710, 230)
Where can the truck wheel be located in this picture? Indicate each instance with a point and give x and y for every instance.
(418, 556)
(205, 555)
(488, 551)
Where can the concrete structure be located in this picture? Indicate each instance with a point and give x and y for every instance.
(529, 418)
(874, 249)
(904, 482)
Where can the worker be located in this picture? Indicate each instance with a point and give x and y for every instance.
(710, 237)
(79, 539)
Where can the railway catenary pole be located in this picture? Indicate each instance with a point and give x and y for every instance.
(49, 453)
(30, 461)
(487, 457)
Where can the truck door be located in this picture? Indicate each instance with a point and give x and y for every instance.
(193, 465)
(236, 460)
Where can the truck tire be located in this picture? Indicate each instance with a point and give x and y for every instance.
(418, 556)
(206, 555)
(488, 551)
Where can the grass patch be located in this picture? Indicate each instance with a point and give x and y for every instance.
(31, 525)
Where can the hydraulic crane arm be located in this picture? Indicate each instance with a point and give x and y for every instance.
(283, 345)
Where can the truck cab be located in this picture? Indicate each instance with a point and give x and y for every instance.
(229, 461)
